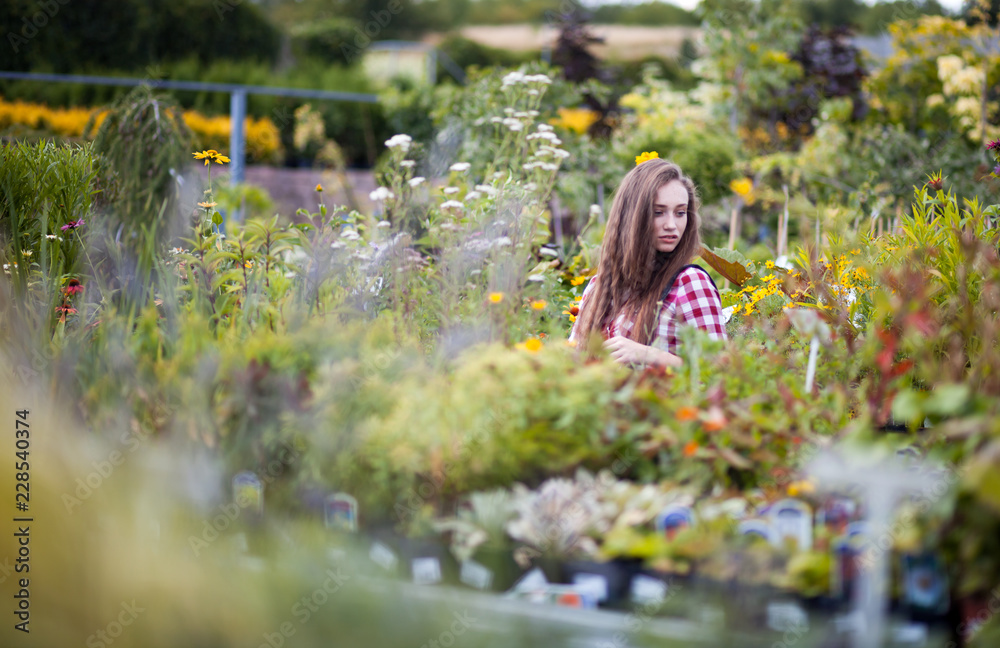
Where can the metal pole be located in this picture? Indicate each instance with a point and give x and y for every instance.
(237, 115)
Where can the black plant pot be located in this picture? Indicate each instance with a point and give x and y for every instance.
(617, 575)
(413, 549)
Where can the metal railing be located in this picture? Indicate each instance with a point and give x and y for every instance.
(237, 101)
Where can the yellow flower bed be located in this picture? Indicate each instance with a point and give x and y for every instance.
(263, 141)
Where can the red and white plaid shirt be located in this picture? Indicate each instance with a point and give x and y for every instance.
(693, 300)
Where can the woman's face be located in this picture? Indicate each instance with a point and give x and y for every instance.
(671, 217)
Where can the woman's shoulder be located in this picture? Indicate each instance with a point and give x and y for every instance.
(694, 277)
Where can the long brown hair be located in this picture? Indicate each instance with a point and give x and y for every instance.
(632, 273)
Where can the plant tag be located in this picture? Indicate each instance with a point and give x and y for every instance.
(426, 571)
(672, 519)
(792, 519)
(383, 556)
(248, 492)
(782, 617)
(533, 580)
(341, 512)
(475, 575)
(594, 585)
(646, 589)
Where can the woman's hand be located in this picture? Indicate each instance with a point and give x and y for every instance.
(630, 352)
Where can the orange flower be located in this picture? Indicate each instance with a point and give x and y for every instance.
(646, 156)
(715, 421)
(496, 297)
(687, 413)
(690, 448)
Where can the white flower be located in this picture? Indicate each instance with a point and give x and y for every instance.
(533, 92)
(496, 120)
(402, 141)
(451, 204)
(450, 190)
(460, 167)
(415, 182)
(52, 237)
(545, 128)
(176, 250)
(503, 241)
(450, 226)
(536, 277)
(489, 190)
(513, 124)
(560, 153)
(508, 111)
(473, 195)
(548, 167)
(384, 224)
(350, 235)
(512, 78)
(537, 78)
(548, 252)
(381, 193)
(533, 113)
(530, 165)
(595, 211)
(407, 164)
(531, 186)
(336, 245)
(520, 114)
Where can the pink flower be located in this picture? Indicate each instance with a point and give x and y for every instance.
(72, 225)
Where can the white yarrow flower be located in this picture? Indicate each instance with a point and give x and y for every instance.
(460, 167)
(407, 164)
(545, 128)
(489, 190)
(381, 193)
(450, 190)
(350, 235)
(384, 224)
(473, 195)
(451, 204)
(401, 141)
(415, 182)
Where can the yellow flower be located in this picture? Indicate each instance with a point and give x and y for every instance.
(533, 344)
(572, 318)
(206, 155)
(646, 157)
(744, 189)
(578, 120)
(207, 205)
(248, 264)
(539, 304)
(221, 159)
(496, 297)
(801, 487)
(319, 188)
(576, 281)
(769, 264)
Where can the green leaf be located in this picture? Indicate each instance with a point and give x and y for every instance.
(947, 400)
(906, 406)
(216, 218)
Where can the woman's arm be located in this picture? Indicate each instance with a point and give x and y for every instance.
(628, 351)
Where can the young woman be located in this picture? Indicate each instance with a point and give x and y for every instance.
(645, 289)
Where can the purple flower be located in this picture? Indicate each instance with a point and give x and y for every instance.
(72, 225)
(996, 170)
